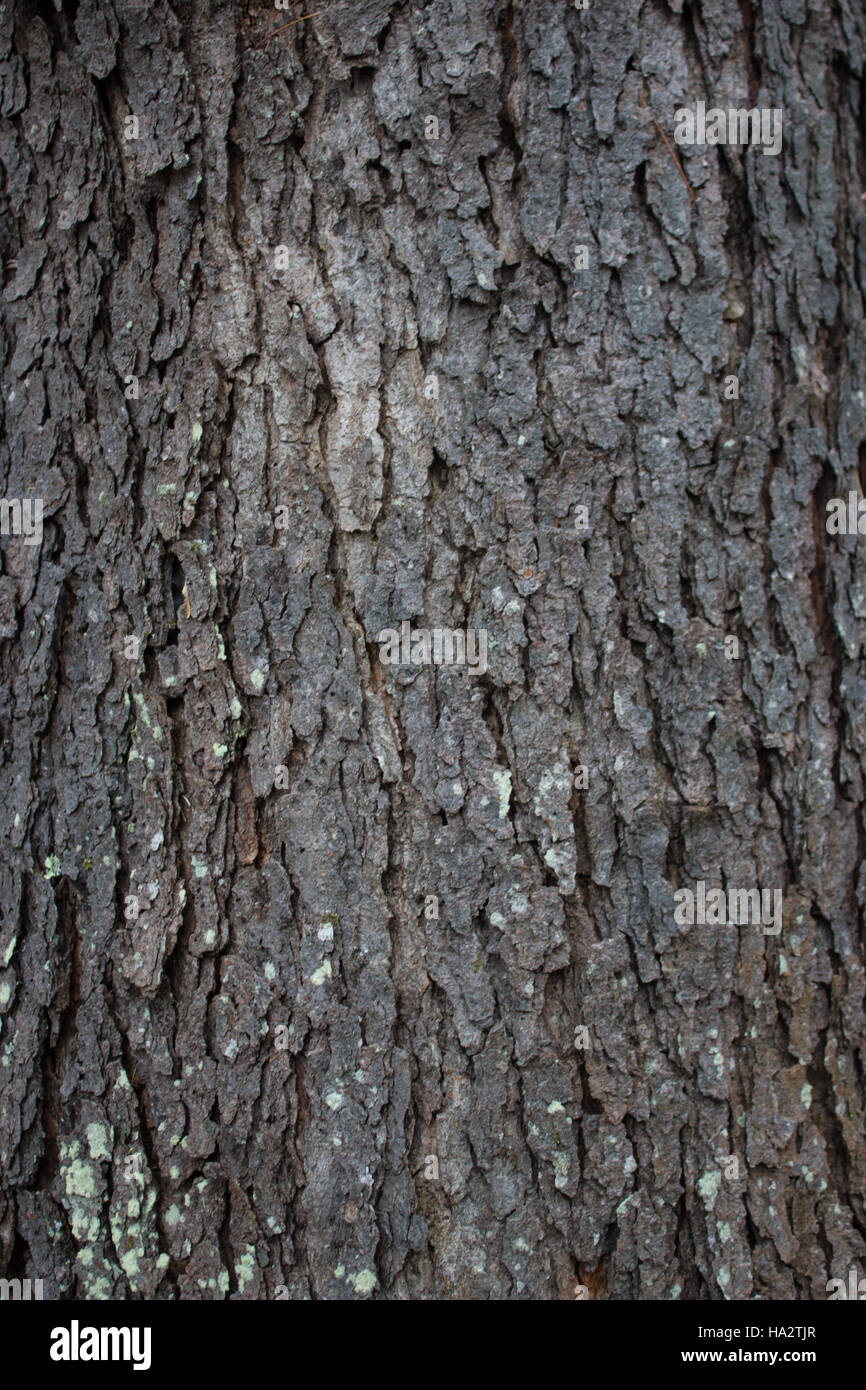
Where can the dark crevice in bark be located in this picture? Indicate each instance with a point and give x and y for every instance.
(62, 1028)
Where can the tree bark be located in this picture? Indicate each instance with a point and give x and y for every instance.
(322, 977)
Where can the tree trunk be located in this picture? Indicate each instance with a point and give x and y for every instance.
(325, 976)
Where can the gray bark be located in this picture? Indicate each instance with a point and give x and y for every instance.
(288, 1077)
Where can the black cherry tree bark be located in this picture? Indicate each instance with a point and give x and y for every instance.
(327, 976)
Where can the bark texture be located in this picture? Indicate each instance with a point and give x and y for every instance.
(287, 1077)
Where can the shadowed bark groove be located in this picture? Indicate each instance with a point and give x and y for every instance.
(323, 977)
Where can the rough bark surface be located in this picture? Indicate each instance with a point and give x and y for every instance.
(287, 1077)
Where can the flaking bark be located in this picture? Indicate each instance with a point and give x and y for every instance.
(239, 1093)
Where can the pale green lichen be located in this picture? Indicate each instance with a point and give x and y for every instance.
(80, 1180)
(558, 858)
(245, 1267)
(100, 1290)
(98, 1141)
(502, 782)
(85, 1227)
(709, 1186)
